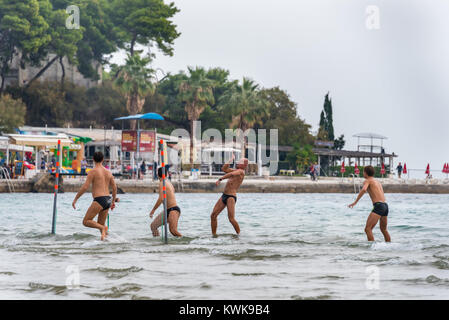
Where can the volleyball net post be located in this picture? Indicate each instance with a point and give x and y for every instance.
(164, 192)
(58, 164)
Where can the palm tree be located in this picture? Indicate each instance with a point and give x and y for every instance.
(246, 106)
(196, 92)
(134, 80)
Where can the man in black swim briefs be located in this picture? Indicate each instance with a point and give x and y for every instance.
(101, 179)
(173, 211)
(380, 209)
(229, 198)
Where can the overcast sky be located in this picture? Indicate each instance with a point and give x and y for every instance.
(391, 81)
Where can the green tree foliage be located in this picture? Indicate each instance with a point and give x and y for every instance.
(196, 92)
(326, 130)
(283, 116)
(12, 113)
(75, 106)
(166, 101)
(134, 79)
(99, 38)
(63, 42)
(212, 116)
(84, 47)
(143, 21)
(292, 130)
(22, 30)
(302, 157)
(339, 143)
(245, 104)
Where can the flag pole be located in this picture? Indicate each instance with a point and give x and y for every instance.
(53, 228)
(164, 191)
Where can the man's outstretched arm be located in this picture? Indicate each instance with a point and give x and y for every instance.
(159, 200)
(83, 189)
(229, 175)
(225, 167)
(361, 194)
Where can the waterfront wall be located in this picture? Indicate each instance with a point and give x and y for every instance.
(45, 184)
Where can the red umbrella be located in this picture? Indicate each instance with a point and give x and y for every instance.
(343, 170)
(356, 169)
(446, 168)
(428, 169)
(404, 171)
(382, 171)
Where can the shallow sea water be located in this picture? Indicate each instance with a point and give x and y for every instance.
(292, 246)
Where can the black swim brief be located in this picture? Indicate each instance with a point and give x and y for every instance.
(105, 202)
(175, 208)
(225, 198)
(381, 208)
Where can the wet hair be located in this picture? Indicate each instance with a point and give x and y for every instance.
(159, 172)
(98, 157)
(369, 170)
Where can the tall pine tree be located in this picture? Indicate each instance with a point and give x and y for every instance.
(329, 121)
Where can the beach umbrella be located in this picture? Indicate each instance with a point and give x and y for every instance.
(342, 169)
(428, 169)
(356, 169)
(382, 171)
(404, 171)
(446, 168)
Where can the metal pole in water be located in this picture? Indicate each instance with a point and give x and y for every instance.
(164, 190)
(53, 228)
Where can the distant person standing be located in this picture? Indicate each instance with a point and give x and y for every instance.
(313, 172)
(399, 168)
(83, 166)
(316, 170)
(143, 168)
(43, 165)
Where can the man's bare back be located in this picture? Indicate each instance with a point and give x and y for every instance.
(101, 180)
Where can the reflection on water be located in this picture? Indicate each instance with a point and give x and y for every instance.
(292, 246)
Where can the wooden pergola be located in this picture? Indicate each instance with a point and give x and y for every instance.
(362, 158)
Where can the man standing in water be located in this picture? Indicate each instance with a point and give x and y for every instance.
(101, 179)
(173, 211)
(229, 197)
(380, 209)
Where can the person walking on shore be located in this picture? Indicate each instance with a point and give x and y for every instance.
(380, 209)
(83, 166)
(399, 168)
(229, 198)
(101, 179)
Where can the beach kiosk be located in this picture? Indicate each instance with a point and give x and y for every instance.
(40, 143)
(132, 139)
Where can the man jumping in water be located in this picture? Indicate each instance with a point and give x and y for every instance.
(229, 197)
(101, 179)
(173, 211)
(380, 209)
